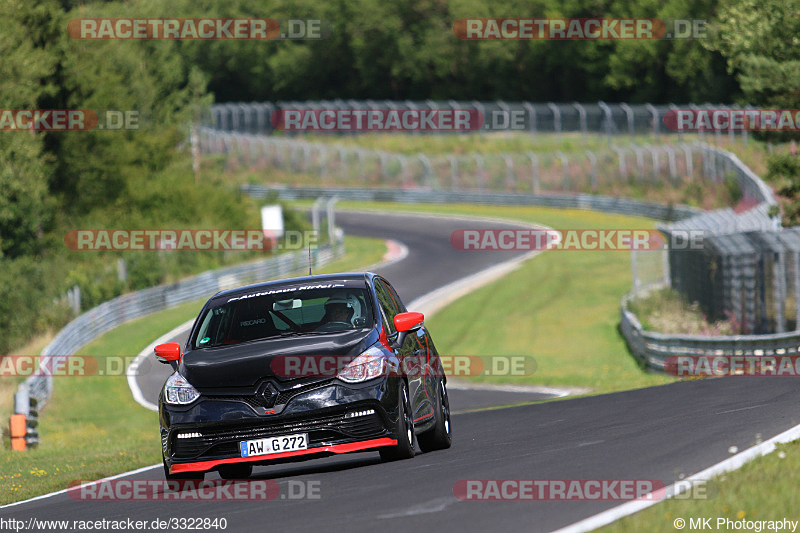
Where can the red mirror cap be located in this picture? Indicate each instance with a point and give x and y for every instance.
(169, 351)
(408, 321)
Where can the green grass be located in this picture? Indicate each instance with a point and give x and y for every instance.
(92, 427)
(561, 307)
(491, 143)
(764, 489)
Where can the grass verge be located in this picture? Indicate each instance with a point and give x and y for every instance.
(92, 427)
(764, 489)
(562, 307)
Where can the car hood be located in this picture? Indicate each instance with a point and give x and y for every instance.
(244, 365)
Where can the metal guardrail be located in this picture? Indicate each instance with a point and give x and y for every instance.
(92, 324)
(653, 348)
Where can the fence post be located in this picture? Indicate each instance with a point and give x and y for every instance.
(329, 207)
(674, 108)
(532, 114)
(481, 178)
(623, 166)
(608, 119)
(534, 172)
(564, 170)
(556, 118)
(629, 114)
(510, 178)
(582, 119)
(656, 125)
(593, 163)
(482, 110)
(315, 215)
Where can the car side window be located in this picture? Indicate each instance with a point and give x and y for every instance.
(387, 304)
(398, 303)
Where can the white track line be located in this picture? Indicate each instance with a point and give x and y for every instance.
(732, 463)
(64, 491)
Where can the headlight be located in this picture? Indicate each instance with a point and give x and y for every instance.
(370, 364)
(177, 390)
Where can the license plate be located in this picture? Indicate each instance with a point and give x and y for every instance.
(284, 443)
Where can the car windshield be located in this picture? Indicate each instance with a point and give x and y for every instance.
(286, 311)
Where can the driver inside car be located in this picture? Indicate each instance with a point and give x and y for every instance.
(338, 310)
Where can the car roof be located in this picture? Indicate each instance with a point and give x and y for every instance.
(319, 278)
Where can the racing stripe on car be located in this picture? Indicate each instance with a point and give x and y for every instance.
(335, 448)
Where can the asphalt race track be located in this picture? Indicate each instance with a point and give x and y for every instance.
(657, 433)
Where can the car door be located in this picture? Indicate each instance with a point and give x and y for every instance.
(412, 353)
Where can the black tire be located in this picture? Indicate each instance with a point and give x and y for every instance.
(183, 476)
(440, 436)
(235, 471)
(405, 429)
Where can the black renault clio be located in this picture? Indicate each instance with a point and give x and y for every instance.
(301, 368)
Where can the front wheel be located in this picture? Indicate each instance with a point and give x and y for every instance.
(405, 430)
(439, 436)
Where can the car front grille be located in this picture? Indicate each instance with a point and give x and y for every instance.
(224, 441)
(258, 401)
